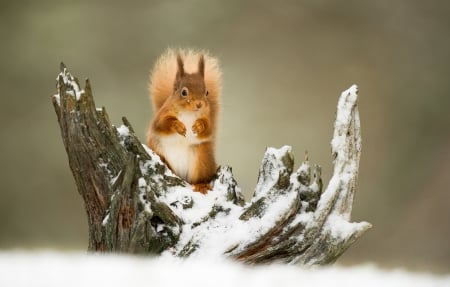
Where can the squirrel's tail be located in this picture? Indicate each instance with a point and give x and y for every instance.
(162, 77)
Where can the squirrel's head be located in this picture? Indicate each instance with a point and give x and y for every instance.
(189, 89)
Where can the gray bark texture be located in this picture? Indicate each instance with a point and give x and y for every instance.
(135, 204)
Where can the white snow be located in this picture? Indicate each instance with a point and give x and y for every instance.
(141, 182)
(105, 220)
(279, 153)
(225, 231)
(123, 130)
(215, 237)
(58, 99)
(114, 179)
(304, 168)
(273, 157)
(50, 268)
(74, 90)
(340, 228)
(305, 219)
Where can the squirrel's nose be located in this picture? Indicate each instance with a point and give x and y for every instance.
(199, 105)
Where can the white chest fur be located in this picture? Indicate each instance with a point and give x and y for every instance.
(179, 150)
(188, 119)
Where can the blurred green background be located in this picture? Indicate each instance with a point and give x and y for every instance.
(284, 63)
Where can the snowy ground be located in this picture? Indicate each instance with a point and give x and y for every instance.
(77, 269)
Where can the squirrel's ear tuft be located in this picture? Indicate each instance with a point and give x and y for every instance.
(201, 66)
(180, 70)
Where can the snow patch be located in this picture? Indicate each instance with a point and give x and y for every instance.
(273, 159)
(50, 268)
(221, 229)
(114, 179)
(106, 219)
(340, 228)
(123, 131)
(57, 98)
(71, 84)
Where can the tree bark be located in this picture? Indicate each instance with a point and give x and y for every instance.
(135, 204)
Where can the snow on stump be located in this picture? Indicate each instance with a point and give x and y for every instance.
(135, 204)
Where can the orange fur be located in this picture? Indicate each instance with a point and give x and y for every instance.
(185, 91)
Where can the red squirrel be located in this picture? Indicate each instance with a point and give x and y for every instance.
(185, 91)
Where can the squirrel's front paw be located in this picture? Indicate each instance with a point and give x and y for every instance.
(180, 128)
(198, 127)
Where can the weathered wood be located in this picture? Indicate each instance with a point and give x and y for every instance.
(106, 168)
(135, 204)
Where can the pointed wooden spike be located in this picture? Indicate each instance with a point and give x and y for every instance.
(62, 67)
(127, 124)
(87, 86)
(317, 171)
(60, 81)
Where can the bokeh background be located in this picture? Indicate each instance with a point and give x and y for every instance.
(284, 66)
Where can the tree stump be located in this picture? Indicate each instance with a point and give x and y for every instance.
(136, 204)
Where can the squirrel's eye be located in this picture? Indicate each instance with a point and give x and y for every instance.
(184, 92)
(207, 93)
